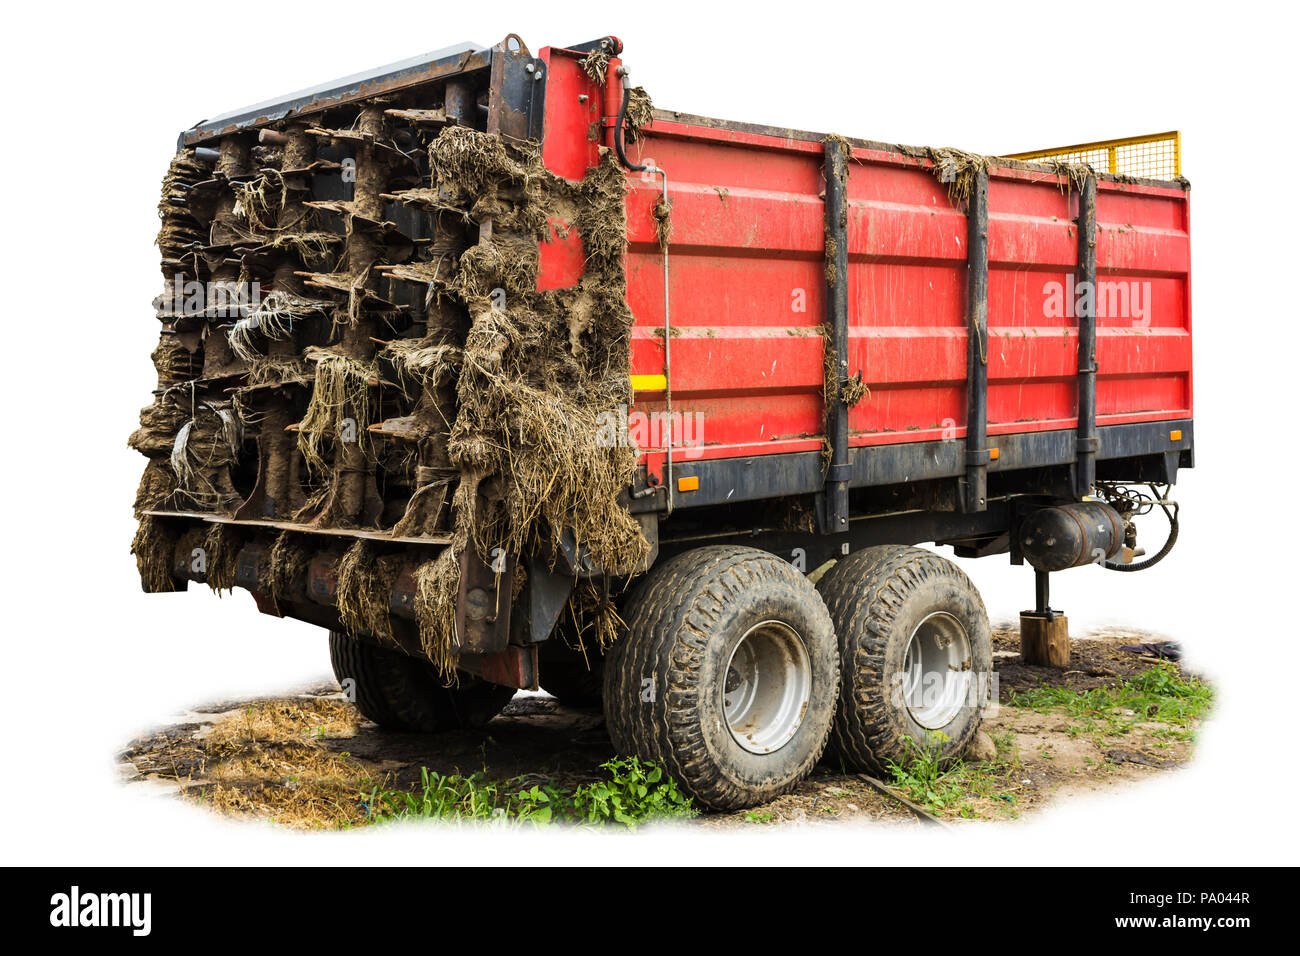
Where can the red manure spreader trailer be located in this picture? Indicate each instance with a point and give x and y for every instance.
(529, 384)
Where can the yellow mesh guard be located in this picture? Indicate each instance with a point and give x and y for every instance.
(1154, 156)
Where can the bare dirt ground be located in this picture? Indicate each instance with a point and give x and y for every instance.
(308, 760)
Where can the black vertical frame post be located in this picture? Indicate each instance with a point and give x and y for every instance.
(1085, 475)
(837, 329)
(1043, 595)
(975, 496)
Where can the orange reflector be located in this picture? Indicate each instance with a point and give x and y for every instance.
(1176, 435)
(688, 484)
(993, 454)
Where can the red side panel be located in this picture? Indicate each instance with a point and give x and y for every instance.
(746, 285)
(747, 288)
(1145, 354)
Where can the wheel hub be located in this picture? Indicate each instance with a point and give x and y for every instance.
(767, 688)
(937, 671)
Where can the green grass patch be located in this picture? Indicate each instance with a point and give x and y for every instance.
(1161, 694)
(634, 794)
(956, 788)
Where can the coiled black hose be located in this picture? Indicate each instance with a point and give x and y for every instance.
(1172, 517)
(1158, 556)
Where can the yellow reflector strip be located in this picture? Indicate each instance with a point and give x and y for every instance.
(649, 383)
(688, 484)
(993, 454)
(1176, 435)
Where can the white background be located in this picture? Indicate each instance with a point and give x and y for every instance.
(96, 96)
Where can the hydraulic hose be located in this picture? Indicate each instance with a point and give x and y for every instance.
(1135, 502)
(1158, 556)
(618, 133)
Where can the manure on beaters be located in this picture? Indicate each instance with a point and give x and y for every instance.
(483, 423)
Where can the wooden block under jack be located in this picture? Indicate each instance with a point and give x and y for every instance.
(1043, 640)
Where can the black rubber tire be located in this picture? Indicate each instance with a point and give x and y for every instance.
(877, 597)
(399, 692)
(664, 678)
(572, 682)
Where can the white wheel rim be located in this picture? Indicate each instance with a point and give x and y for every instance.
(937, 671)
(766, 687)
